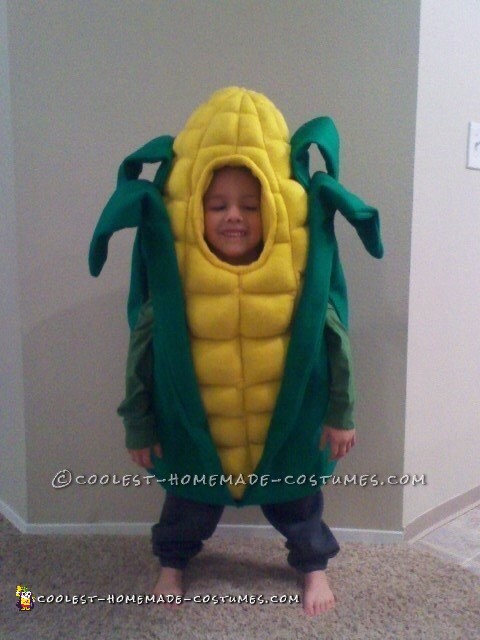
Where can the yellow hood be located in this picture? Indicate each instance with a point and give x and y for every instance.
(239, 317)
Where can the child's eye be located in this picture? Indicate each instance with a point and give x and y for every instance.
(214, 205)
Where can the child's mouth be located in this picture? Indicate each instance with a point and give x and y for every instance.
(233, 233)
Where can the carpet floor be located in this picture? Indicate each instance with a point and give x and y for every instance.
(386, 592)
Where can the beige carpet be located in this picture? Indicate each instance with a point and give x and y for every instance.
(385, 592)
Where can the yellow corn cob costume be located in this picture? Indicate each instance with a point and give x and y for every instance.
(239, 317)
(240, 379)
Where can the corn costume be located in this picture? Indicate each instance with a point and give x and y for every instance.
(239, 366)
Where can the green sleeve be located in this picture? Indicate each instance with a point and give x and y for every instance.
(137, 407)
(342, 391)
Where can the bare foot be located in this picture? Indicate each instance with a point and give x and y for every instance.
(170, 586)
(317, 595)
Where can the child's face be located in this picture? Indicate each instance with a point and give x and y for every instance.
(232, 216)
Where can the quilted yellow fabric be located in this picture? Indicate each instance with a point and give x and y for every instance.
(239, 317)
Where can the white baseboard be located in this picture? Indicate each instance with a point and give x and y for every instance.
(443, 513)
(91, 528)
(12, 516)
(368, 536)
(413, 531)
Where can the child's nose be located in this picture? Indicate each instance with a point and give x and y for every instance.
(234, 213)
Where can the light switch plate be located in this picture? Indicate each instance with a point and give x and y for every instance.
(473, 149)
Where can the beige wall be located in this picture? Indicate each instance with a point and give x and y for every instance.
(13, 492)
(443, 408)
(90, 82)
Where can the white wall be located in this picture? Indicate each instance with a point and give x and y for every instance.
(443, 406)
(108, 76)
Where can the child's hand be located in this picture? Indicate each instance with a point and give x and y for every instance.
(142, 457)
(340, 440)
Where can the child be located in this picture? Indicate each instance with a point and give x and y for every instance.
(241, 245)
(233, 232)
